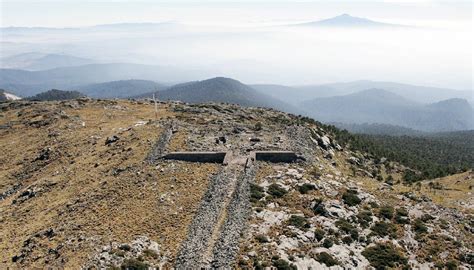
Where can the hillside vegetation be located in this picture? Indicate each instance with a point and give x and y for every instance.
(432, 156)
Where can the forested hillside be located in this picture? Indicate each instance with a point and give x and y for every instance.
(434, 155)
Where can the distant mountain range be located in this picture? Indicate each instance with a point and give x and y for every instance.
(346, 20)
(27, 83)
(381, 106)
(409, 106)
(221, 90)
(41, 61)
(120, 89)
(422, 94)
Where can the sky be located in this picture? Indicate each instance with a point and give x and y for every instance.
(240, 39)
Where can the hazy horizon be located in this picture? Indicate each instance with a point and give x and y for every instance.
(256, 42)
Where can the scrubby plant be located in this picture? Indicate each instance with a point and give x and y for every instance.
(281, 264)
(327, 259)
(401, 216)
(419, 226)
(327, 243)
(347, 240)
(318, 207)
(299, 222)
(276, 190)
(150, 254)
(134, 264)
(384, 228)
(384, 255)
(350, 198)
(306, 187)
(319, 234)
(386, 211)
(258, 126)
(256, 192)
(261, 238)
(364, 218)
(348, 228)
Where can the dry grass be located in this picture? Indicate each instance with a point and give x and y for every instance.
(91, 193)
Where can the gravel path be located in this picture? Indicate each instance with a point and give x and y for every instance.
(159, 148)
(206, 221)
(214, 234)
(227, 246)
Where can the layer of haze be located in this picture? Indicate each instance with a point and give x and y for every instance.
(255, 43)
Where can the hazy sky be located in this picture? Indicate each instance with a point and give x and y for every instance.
(239, 39)
(62, 13)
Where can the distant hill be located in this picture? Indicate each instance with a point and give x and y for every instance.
(120, 89)
(5, 96)
(55, 94)
(27, 83)
(223, 90)
(422, 94)
(346, 20)
(41, 61)
(383, 107)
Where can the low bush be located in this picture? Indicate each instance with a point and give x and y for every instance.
(134, 264)
(319, 234)
(386, 211)
(318, 207)
(299, 222)
(350, 198)
(256, 192)
(276, 190)
(384, 255)
(281, 264)
(384, 228)
(419, 226)
(401, 216)
(348, 228)
(327, 259)
(261, 238)
(306, 187)
(327, 243)
(364, 218)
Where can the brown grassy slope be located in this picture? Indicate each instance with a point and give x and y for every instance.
(87, 192)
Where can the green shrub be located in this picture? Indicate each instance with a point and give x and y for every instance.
(319, 234)
(384, 228)
(419, 226)
(350, 198)
(401, 216)
(383, 256)
(386, 211)
(347, 240)
(150, 254)
(305, 188)
(319, 208)
(299, 222)
(327, 259)
(348, 228)
(451, 265)
(327, 243)
(364, 218)
(276, 190)
(256, 192)
(134, 264)
(281, 264)
(261, 238)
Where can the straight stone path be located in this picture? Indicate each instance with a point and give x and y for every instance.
(206, 229)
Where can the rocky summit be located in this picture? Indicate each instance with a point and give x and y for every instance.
(104, 184)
